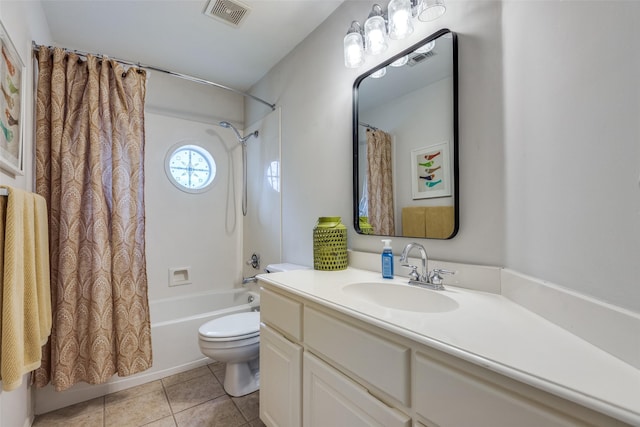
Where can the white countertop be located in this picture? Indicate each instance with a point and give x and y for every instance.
(491, 331)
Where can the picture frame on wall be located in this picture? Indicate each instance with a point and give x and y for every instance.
(431, 171)
(12, 105)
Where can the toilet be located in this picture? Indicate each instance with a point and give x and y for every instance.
(235, 340)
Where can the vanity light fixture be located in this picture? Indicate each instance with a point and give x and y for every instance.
(375, 31)
(430, 10)
(353, 46)
(400, 19)
(395, 23)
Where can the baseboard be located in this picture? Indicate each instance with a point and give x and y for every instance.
(47, 399)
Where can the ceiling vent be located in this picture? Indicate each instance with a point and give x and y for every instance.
(229, 11)
(419, 57)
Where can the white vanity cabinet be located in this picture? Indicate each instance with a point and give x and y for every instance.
(280, 360)
(320, 367)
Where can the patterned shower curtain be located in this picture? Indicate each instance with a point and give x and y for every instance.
(89, 168)
(380, 182)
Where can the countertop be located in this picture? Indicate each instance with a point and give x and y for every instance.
(491, 331)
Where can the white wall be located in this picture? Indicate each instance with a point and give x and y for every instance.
(554, 112)
(202, 231)
(572, 134)
(262, 225)
(314, 89)
(24, 21)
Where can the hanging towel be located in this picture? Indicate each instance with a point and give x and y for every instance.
(432, 222)
(439, 222)
(25, 296)
(413, 221)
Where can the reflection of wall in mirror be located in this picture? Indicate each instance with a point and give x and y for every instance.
(416, 120)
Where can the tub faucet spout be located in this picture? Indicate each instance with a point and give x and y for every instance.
(252, 279)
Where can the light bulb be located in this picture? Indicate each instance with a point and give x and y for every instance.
(380, 73)
(400, 24)
(375, 32)
(426, 47)
(353, 47)
(400, 61)
(375, 35)
(431, 10)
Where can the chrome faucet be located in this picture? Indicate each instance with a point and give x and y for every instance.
(429, 279)
(414, 276)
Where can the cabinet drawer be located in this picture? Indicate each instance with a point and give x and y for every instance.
(281, 312)
(382, 363)
(332, 399)
(448, 397)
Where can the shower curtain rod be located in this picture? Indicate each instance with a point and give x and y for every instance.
(36, 47)
(367, 125)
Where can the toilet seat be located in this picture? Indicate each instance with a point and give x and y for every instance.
(232, 327)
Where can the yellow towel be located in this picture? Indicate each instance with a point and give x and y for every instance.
(439, 221)
(433, 222)
(413, 221)
(25, 285)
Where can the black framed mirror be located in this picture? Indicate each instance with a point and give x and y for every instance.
(405, 143)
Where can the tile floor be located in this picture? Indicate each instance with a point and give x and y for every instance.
(191, 398)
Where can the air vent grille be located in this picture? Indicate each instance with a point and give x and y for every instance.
(419, 57)
(231, 12)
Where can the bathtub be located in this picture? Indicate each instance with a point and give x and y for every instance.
(174, 339)
(175, 323)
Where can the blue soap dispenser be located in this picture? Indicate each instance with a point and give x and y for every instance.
(387, 260)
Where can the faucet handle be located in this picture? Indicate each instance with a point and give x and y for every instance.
(413, 275)
(435, 275)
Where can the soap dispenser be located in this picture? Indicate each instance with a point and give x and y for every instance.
(387, 260)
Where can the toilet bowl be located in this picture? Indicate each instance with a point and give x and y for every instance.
(235, 340)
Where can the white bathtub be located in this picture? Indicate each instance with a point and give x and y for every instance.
(175, 323)
(174, 337)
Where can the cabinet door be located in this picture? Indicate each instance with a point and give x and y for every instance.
(280, 379)
(448, 397)
(332, 399)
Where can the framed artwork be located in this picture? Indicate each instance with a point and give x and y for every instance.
(431, 171)
(12, 84)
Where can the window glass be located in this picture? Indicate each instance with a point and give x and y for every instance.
(190, 167)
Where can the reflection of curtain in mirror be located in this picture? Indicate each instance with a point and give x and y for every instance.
(380, 182)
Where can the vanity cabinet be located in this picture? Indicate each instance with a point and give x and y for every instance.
(320, 367)
(280, 360)
(332, 399)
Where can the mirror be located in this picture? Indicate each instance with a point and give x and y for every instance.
(405, 143)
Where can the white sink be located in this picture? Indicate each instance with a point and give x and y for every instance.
(401, 297)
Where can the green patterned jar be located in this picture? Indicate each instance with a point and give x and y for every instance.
(365, 227)
(329, 244)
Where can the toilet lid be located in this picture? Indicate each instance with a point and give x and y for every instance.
(233, 325)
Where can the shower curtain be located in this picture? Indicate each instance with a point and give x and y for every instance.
(89, 168)
(380, 182)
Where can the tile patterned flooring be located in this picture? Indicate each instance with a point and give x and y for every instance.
(193, 398)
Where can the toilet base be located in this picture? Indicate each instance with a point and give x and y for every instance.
(242, 378)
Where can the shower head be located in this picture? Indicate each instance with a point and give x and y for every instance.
(241, 139)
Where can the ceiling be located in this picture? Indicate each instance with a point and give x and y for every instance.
(175, 34)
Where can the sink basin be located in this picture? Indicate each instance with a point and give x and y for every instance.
(401, 297)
